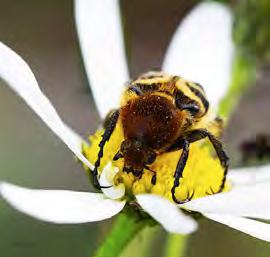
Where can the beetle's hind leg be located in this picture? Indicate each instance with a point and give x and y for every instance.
(110, 126)
(223, 158)
(198, 134)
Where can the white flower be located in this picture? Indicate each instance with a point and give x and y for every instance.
(102, 48)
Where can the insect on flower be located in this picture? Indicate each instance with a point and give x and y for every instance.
(161, 113)
(245, 196)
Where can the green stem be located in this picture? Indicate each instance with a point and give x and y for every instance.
(146, 239)
(124, 229)
(176, 245)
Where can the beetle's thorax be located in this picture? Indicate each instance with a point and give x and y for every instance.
(151, 119)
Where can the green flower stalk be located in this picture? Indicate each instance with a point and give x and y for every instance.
(123, 231)
(176, 245)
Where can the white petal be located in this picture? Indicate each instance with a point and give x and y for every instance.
(253, 228)
(202, 49)
(249, 201)
(167, 214)
(106, 179)
(250, 175)
(101, 39)
(60, 206)
(15, 71)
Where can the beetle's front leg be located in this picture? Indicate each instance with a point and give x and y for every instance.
(179, 170)
(110, 126)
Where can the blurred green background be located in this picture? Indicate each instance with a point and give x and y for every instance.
(43, 32)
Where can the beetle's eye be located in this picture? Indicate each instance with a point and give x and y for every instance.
(150, 158)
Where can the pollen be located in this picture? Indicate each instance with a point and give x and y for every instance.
(202, 175)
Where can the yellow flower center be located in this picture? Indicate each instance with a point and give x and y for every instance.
(202, 175)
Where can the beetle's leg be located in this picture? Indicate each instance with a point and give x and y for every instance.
(154, 177)
(199, 134)
(105, 137)
(179, 169)
(222, 156)
(107, 118)
(191, 136)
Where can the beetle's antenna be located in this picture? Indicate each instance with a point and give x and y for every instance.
(117, 156)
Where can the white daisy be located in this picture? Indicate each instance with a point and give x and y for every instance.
(206, 60)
